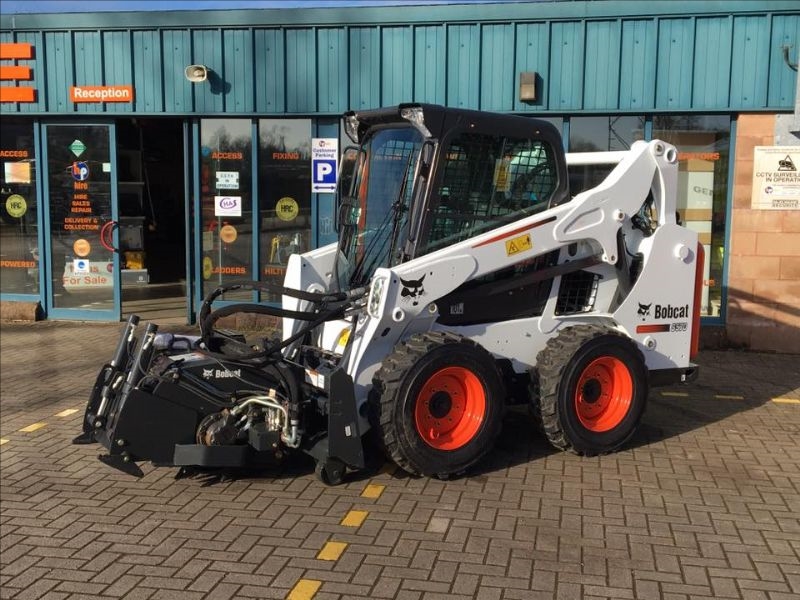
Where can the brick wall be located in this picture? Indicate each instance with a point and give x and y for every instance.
(764, 268)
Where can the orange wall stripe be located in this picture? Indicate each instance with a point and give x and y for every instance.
(10, 51)
(20, 73)
(16, 94)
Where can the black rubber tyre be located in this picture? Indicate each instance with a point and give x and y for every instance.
(535, 403)
(591, 389)
(439, 401)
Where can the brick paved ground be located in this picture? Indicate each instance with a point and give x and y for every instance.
(704, 503)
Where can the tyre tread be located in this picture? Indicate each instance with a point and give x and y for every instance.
(388, 380)
(550, 365)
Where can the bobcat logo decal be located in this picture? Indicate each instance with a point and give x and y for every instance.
(412, 289)
(644, 310)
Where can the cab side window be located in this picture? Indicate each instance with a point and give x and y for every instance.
(489, 181)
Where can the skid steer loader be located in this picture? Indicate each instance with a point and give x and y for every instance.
(465, 278)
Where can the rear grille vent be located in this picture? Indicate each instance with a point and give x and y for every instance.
(577, 293)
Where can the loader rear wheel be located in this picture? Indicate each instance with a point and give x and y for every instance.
(440, 401)
(592, 389)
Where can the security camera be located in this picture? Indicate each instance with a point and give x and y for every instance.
(196, 73)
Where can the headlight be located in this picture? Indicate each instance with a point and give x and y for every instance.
(375, 297)
(351, 127)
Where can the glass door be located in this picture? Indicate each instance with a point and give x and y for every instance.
(81, 213)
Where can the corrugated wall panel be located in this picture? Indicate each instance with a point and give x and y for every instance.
(301, 71)
(207, 50)
(238, 85)
(118, 66)
(785, 32)
(566, 65)
(88, 66)
(497, 67)
(712, 62)
(750, 53)
(429, 65)
(147, 60)
(463, 70)
(674, 75)
(58, 49)
(676, 62)
(177, 49)
(637, 77)
(397, 65)
(332, 78)
(269, 72)
(601, 71)
(365, 68)
(36, 64)
(532, 54)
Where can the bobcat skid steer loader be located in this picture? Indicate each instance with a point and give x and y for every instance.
(465, 278)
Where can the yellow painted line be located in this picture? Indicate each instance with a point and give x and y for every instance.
(68, 412)
(3, 441)
(354, 518)
(728, 397)
(31, 428)
(373, 490)
(304, 589)
(675, 394)
(332, 551)
(786, 400)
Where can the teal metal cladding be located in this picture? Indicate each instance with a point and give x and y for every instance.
(670, 63)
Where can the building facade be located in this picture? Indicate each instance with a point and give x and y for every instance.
(124, 134)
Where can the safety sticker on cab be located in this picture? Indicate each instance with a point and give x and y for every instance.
(519, 244)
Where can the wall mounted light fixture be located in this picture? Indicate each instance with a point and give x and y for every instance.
(527, 86)
(196, 73)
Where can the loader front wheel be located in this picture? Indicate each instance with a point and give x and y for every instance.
(439, 404)
(592, 389)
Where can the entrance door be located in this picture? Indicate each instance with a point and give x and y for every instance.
(81, 212)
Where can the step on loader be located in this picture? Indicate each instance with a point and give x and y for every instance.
(466, 278)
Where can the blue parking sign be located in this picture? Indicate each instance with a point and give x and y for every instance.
(324, 175)
(324, 164)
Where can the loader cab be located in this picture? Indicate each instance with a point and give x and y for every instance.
(425, 177)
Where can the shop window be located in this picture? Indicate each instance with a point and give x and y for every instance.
(600, 134)
(226, 203)
(284, 183)
(703, 143)
(79, 173)
(19, 264)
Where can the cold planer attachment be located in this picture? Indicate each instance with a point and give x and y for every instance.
(215, 401)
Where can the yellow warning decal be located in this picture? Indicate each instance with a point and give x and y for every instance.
(518, 244)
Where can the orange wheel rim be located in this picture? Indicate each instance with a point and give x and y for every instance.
(604, 393)
(450, 408)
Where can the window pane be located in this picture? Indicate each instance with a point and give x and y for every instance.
(227, 214)
(489, 181)
(19, 252)
(79, 178)
(600, 134)
(703, 143)
(284, 183)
